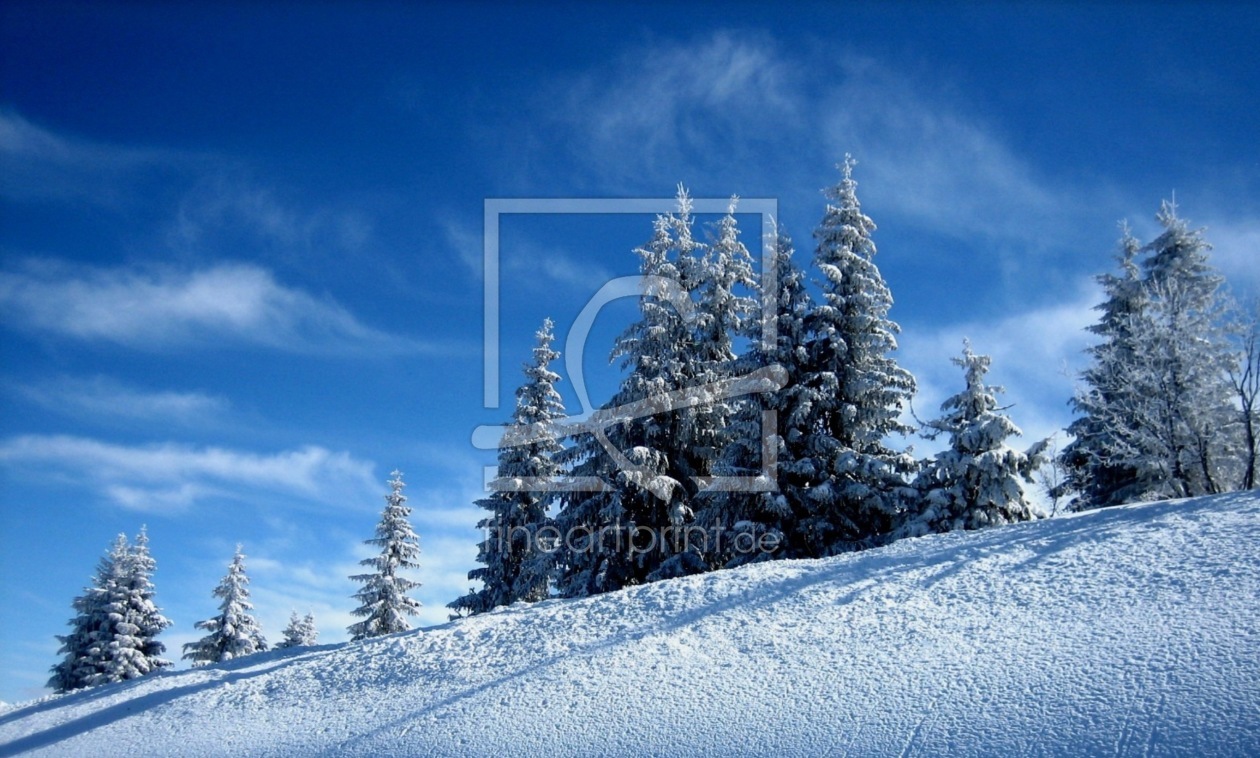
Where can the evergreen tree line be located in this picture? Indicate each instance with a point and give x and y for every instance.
(669, 476)
(114, 631)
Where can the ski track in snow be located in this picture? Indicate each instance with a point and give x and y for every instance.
(1125, 632)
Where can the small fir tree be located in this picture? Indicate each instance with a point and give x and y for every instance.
(385, 605)
(234, 632)
(977, 482)
(138, 620)
(300, 632)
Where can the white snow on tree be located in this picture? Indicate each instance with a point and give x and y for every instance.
(385, 605)
(300, 632)
(1096, 473)
(755, 525)
(140, 620)
(856, 390)
(1159, 418)
(726, 309)
(646, 474)
(516, 564)
(113, 635)
(978, 481)
(233, 632)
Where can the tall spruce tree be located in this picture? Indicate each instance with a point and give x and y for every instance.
(114, 631)
(1184, 343)
(725, 310)
(1158, 412)
(647, 446)
(85, 647)
(755, 525)
(515, 557)
(1096, 472)
(977, 481)
(385, 605)
(651, 472)
(233, 632)
(858, 391)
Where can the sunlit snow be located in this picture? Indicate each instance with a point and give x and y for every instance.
(1128, 631)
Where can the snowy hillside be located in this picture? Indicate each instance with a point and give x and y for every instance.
(1130, 631)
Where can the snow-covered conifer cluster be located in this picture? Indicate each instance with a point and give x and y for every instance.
(300, 632)
(1165, 406)
(758, 417)
(113, 635)
(1168, 408)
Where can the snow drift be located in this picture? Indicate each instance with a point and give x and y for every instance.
(1129, 631)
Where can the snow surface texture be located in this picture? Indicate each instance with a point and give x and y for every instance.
(1129, 631)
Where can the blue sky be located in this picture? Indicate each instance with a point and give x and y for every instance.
(241, 251)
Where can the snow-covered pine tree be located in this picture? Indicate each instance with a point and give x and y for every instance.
(385, 605)
(1095, 471)
(1184, 340)
(858, 391)
(84, 648)
(1159, 418)
(726, 309)
(1186, 421)
(300, 632)
(138, 621)
(233, 632)
(977, 481)
(637, 491)
(114, 632)
(750, 521)
(516, 565)
(630, 529)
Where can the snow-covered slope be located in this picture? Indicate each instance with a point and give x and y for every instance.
(1131, 631)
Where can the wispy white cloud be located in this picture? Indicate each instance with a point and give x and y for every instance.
(105, 398)
(169, 476)
(525, 263)
(928, 157)
(156, 310)
(468, 244)
(737, 106)
(39, 164)
(668, 105)
(228, 209)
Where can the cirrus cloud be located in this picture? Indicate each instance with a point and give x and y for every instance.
(161, 309)
(169, 476)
